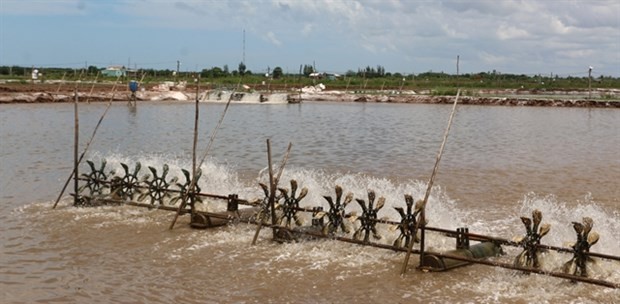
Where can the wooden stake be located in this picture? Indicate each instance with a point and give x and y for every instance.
(204, 156)
(75, 149)
(195, 139)
(74, 172)
(422, 220)
(62, 80)
(114, 88)
(195, 132)
(92, 88)
(273, 185)
(590, 83)
(272, 190)
(457, 70)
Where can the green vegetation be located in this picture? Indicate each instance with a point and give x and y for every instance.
(365, 79)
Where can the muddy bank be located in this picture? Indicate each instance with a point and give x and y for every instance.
(10, 95)
(469, 100)
(46, 97)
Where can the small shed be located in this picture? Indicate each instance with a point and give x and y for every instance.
(114, 71)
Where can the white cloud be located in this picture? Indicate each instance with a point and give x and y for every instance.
(189, 8)
(386, 32)
(558, 26)
(271, 37)
(308, 28)
(491, 58)
(44, 7)
(506, 32)
(574, 54)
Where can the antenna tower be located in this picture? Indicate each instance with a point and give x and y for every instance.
(243, 59)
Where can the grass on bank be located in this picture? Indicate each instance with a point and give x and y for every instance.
(426, 83)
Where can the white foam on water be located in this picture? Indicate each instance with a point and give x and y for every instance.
(300, 259)
(277, 98)
(503, 285)
(442, 211)
(246, 97)
(215, 178)
(561, 215)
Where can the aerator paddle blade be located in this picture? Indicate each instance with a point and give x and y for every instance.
(530, 256)
(586, 238)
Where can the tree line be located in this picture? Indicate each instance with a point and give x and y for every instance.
(305, 70)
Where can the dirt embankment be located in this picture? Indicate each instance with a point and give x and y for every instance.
(468, 100)
(57, 92)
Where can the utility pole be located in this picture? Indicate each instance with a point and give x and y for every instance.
(176, 76)
(243, 57)
(590, 83)
(457, 70)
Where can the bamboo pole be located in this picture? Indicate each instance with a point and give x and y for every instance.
(135, 101)
(272, 190)
(75, 148)
(74, 172)
(204, 156)
(273, 185)
(141, 79)
(196, 118)
(80, 77)
(457, 69)
(92, 88)
(197, 115)
(590, 83)
(62, 80)
(422, 220)
(114, 89)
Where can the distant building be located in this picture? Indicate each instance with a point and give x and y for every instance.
(114, 71)
(316, 75)
(333, 76)
(330, 76)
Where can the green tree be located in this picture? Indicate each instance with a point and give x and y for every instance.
(214, 72)
(217, 72)
(92, 69)
(308, 69)
(241, 68)
(277, 73)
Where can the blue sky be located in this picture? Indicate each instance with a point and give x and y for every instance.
(562, 37)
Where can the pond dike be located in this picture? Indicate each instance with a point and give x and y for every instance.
(294, 97)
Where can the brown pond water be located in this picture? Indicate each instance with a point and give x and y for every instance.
(500, 163)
